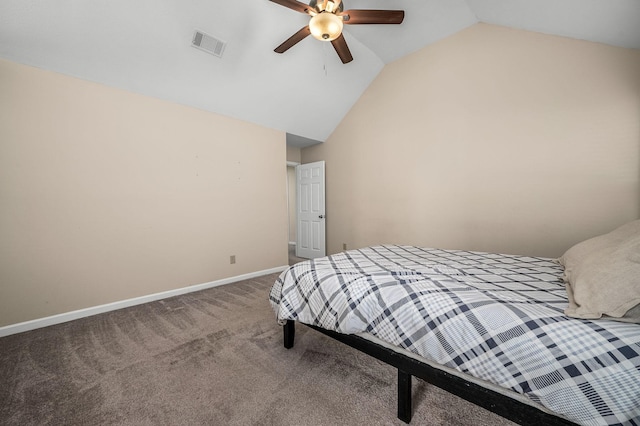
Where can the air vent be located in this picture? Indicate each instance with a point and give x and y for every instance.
(208, 43)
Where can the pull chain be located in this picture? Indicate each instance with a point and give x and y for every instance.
(324, 59)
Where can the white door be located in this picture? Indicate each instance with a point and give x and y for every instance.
(311, 214)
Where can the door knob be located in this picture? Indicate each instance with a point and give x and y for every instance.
(321, 216)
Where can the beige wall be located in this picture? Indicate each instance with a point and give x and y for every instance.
(106, 195)
(492, 139)
(293, 154)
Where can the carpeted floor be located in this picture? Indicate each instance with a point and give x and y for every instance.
(293, 259)
(213, 357)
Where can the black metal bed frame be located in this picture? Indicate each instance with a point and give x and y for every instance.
(491, 400)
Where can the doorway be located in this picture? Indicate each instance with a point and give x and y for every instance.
(310, 212)
(306, 210)
(292, 208)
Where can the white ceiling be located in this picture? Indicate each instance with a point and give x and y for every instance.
(144, 46)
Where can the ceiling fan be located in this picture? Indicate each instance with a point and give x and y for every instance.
(327, 20)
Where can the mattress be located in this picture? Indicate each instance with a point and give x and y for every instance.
(498, 318)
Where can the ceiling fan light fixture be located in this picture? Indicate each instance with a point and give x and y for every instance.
(326, 26)
(327, 20)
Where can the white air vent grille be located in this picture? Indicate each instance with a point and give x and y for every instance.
(208, 43)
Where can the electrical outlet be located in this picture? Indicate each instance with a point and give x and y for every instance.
(344, 246)
(232, 259)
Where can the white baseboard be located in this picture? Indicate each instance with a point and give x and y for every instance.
(81, 313)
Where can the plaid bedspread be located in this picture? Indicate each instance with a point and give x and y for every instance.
(496, 317)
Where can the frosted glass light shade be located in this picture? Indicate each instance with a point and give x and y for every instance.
(326, 26)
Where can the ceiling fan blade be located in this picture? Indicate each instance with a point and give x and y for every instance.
(340, 44)
(293, 4)
(361, 16)
(293, 40)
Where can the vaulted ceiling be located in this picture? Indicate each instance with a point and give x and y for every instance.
(144, 46)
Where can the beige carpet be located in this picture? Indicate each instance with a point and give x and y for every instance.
(214, 357)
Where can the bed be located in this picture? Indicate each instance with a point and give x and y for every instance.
(491, 328)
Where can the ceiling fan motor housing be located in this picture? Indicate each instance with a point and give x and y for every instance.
(327, 5)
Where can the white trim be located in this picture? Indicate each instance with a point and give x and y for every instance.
(292, 243)
(86, 312)
(292, 163)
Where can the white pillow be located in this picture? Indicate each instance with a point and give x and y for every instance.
(602, 276)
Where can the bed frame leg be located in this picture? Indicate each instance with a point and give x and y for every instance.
(404, 396)
(289, 333)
